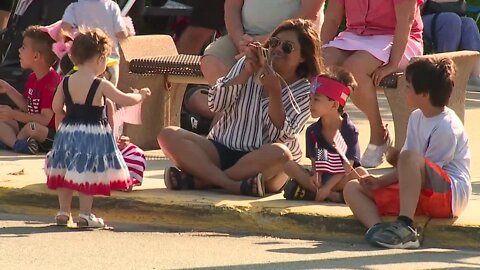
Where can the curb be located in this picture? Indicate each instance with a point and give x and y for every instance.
(213, 211)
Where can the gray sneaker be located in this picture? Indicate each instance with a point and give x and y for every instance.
(397, 235)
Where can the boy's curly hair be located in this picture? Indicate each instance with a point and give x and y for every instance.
(41, 42)
(89, 43)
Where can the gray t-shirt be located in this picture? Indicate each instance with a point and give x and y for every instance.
(442, 140)
(103, 14)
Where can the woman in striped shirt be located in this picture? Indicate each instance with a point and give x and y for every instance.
(265, 105)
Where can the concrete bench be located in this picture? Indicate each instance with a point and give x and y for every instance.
(153, 61)
(162, 108)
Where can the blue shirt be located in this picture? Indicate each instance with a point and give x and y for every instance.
(349, 133)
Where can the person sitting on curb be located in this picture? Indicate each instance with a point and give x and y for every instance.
(381, 37)
(432, 176)
(31, 128)
(265, 106)
(331, 142)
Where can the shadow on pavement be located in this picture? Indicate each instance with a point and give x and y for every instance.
(423, 256)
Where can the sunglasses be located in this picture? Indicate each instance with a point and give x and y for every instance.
(287, 46)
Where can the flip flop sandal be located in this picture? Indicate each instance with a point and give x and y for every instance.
(89, 221)
(293, 191)
(63, 218)
(246, 188)
(182, 180)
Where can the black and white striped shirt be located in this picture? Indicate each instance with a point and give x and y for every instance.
(246, 125)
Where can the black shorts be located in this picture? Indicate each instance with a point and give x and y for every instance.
(228, 157)
(6, 5)
(208, 14)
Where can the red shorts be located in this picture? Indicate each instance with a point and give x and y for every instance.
(435, 198)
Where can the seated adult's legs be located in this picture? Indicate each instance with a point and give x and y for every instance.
(196, 156)
(470, 35)
(198, 102)
(218, 59)
(362, 64)
(268, 160)
(206, 18)
(334, 57)
(193, 40)
(447, 31)
(213, 68)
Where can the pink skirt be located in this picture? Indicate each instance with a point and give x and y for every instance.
(379, 46)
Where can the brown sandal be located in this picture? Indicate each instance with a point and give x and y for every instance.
(182, 180)
(246, 188)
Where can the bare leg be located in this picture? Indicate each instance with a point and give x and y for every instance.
(213, 68)
(361, 203)
(65, 199)
(411, 179)
(340, 185)
(8, 132)
(198, 103)
(336, 195)
(269, 160)
(196, 155)
(39, 133)
(334, 57)
(86, 203)
(362, 64)
(193, 39)
(300, 175)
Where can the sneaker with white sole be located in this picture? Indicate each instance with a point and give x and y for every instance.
(397, 235)
(374, 155)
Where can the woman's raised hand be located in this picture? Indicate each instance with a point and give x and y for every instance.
(269, 78)
(253, 58)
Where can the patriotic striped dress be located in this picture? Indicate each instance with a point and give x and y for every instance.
(85, 156)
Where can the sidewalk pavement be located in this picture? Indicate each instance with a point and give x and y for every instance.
(23, 190)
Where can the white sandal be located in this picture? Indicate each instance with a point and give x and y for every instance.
(90, 221)
(63, 218)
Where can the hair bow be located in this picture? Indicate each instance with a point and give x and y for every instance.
(60, 47)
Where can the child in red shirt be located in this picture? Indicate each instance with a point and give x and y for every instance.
(31, 128)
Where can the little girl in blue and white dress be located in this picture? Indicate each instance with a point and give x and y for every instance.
(85, 156)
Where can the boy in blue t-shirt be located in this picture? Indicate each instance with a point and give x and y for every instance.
(331, 142)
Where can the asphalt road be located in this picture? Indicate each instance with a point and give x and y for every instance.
(28, 242)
